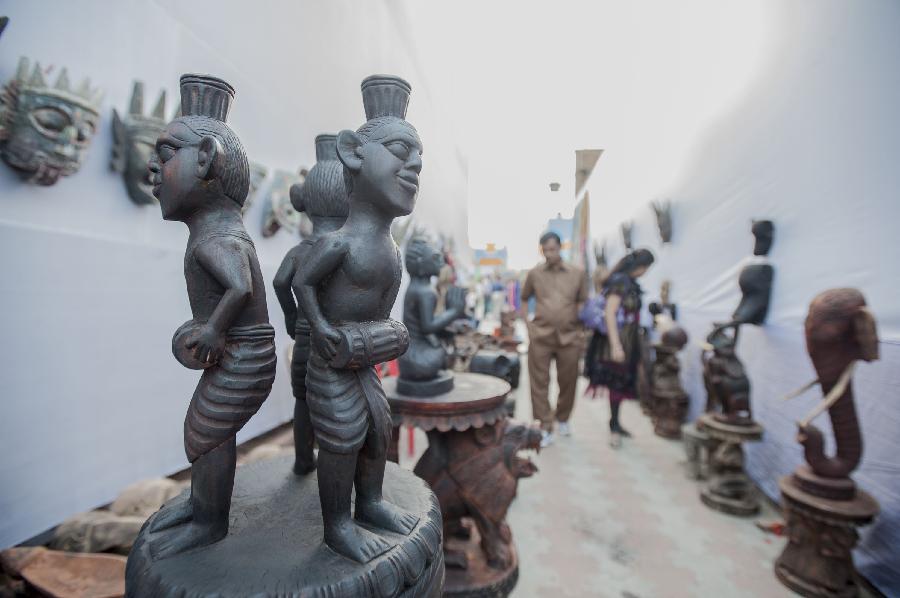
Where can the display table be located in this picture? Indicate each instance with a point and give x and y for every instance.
(729, 489)
(818, 558)
(465, 465)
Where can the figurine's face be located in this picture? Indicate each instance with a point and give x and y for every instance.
(391, 163)
(47, 136)
(174, 172)
(433, 262)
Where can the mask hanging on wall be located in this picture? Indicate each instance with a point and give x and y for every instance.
(663, 211)
(134, 141)
(46, 130)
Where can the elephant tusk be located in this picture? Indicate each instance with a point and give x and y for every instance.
(836, 393)
(799, 391)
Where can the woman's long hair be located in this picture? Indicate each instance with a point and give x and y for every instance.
(632, 261)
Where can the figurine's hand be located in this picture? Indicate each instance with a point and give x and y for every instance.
(326, 340)
(456, 299)
(618, 353)
(290, 325)
(208, 345)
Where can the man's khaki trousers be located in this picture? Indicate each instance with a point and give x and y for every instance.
(540, 353)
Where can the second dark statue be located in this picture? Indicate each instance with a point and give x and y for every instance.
(423, 368)
(346, 288)
(322, 197)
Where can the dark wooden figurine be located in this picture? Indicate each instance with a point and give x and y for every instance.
(346, 288)
(728, 421)
(200, 176)
(322, 197)
(727, 385)
(822, 504)
(756, 278)
(670, 401)
(423, 368)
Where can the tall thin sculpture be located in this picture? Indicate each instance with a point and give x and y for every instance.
(322, 197)
(200, 176)
(822, 504)
(347, 287)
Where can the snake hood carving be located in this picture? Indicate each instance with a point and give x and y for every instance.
(840, 330)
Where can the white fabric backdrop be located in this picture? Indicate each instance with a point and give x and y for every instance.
(93, 286)
(813, 147)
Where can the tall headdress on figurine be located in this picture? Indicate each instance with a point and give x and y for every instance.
(385, 96)
(205, 95)
(205, 103)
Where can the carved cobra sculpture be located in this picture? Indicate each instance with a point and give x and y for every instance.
(839, 331)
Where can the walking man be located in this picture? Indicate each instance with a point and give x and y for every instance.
(559, 290)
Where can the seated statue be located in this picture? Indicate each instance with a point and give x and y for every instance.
(727, 385)
(423, 367)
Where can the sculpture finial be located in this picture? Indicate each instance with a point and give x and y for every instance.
(385, 95)
(205, 95)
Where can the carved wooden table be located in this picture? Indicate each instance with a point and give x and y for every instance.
(729, 489)
(466, 468)
(817, 561)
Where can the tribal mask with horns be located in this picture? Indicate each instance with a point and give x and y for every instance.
(134, 140)
(44, 130)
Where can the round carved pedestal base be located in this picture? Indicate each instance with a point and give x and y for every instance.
(274, 545)
(442, 384)
(478, 579)
(729, 490)
(473, 467)
(668, 414)
(817, 561)
(734, 495)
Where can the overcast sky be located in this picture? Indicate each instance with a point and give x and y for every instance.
(526, 84)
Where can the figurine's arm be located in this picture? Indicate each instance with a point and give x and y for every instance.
(391, 295)
(283, 291)
(323, 259)
(432, 324)
(229, 264)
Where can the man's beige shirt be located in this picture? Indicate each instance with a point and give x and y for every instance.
(558, 290)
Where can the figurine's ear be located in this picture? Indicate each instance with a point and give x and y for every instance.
(348, 144)
(118, 130)
(210, 158)
(296, 194)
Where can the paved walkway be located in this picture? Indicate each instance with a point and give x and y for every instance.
(627, 523)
